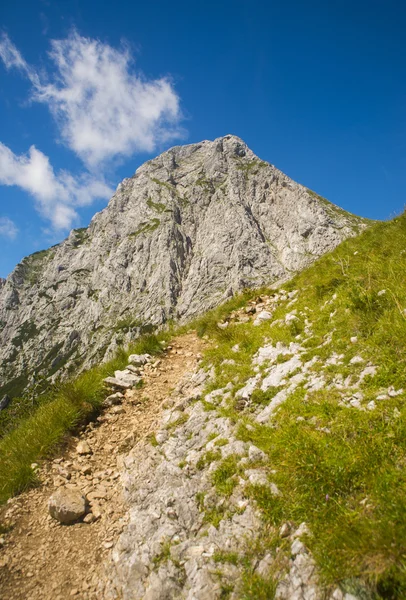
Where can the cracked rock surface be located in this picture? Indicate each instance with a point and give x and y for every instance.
(189, 229)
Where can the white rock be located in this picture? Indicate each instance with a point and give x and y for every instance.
(297, 547)
(264, 567)
(255, 454)
(392, 392)
(264, 315)
(356, 360)
(138, 360)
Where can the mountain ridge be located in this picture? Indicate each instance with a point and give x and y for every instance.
(192, 227)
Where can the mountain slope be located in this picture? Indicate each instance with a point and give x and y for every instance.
(277, 464)
(191, 228)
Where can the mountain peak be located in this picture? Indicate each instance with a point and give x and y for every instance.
(192, 227)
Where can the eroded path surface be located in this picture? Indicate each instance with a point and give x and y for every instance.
(41, 559)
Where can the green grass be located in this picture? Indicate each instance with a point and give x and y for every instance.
(146, 227)
(349, 485)
(224, 477)
(61, 410)
(159, 207)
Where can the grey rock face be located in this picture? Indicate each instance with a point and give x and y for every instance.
(188, 230)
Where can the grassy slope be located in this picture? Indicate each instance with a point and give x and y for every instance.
(349, 485)
(61, 411)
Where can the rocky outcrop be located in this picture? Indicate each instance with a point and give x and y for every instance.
(189, 229)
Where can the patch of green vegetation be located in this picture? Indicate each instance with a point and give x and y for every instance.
(129, 322)
(27, 331)
(153, 441)
(181, 420)
(31, 267)
(264, 398)
(339, 469)
(334, 210)
(252, 166)
(165, 184)
(255, 587)
(206, 184)
(146, 227)
(81, 235)
(221, 442)
(214, 516)
(16, 386)
(164, 555)
(159, 207)
(224, 477)
(94, 294)
(207, 458)
(44, 426)
(232, 558)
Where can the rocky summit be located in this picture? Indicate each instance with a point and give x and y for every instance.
(188, 230)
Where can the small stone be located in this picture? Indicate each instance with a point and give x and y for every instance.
(117, 410)
(356, 360)
(297, 547)
(392, 393)
(138, 360)
(89, 518)
(67, 505)
(83, 448)
(264, 315)
(354, 339)
(116, 398)
(264, 567)
(114, 382)
(255, 454)
(285, 530)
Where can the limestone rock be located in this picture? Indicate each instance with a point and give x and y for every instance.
(83, 448)
(67, 505)
(191, 228)
(138, 360)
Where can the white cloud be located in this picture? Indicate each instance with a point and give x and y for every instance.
(7, 228)
(102, 106)
(57, 196)
(10, 55)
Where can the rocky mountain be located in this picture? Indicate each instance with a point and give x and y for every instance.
(189, 229)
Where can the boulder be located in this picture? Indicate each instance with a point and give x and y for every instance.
(67, 505)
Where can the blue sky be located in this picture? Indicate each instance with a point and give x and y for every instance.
(90, 90)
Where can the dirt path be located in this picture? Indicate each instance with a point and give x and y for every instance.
(41, 559)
